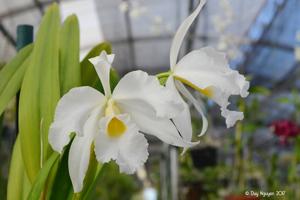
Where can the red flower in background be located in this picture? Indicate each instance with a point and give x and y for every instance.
(285, 129)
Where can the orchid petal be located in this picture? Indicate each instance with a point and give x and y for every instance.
(102, 65)
(207, 71)
(79, 154)
(181, 32)
(197, 104)
(107, 148)
(129, 150)
(72, 111)
(162, 128)
(182, 120)
(138, 89)
(231, 116)
(133, 152)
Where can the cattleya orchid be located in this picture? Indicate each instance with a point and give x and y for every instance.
(206, 71)
(114, 123)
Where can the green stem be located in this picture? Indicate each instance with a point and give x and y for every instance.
(76, 196)
(238, 161)
(293, 178)
(163, 74)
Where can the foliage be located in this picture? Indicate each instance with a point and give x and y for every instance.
(43, 72)
(114, 185)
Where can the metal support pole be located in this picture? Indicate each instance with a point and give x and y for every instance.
(24, 37)
(164, 172)
(174, 178)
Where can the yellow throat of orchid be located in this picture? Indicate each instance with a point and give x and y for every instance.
(115, 127)
(206, 91)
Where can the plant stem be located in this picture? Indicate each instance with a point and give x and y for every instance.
(238, 162)
(163, 74)
(76, 196)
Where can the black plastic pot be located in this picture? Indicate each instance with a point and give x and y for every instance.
(204, 156)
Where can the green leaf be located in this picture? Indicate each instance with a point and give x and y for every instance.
(88, 73)
(18, 185)
(40, 92)
(100, 170)
(11, 76)
(69, 55)
(284, 100)
(91, 173)
(297, 150)
(1, 126)
(114, 78)
(39, 183)
(260, 90)
(62, 186)
(10, 68)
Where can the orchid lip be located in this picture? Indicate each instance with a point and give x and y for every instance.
(115, 128)
(206, 91)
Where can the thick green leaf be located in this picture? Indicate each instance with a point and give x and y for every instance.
(40, 92)
(11, 76)
(91, 173)
(18, 185)
(114, 78)
(88, 74)
(69, 55)
(1, 126)
(100, 170)
(13, 86)
(39, 183)
(63, 189)
(62, 186)
(10, 68)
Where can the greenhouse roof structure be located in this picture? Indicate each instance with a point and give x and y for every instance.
(259, 36)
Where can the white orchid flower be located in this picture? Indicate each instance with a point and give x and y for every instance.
(206, 71)
(114, 122)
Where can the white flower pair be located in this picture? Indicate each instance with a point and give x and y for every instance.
(115, 122)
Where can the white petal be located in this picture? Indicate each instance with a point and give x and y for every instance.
(182, 120)
(133, 152)
(128, 150)
(72, 111)
(80, 150)
(106, 148)
(139, 89)
(102, 65)
(208, 69)
(231, 116)
(162, 128)
(198, 105)
(181, 32)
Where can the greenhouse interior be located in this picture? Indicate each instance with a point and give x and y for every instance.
(149, 99)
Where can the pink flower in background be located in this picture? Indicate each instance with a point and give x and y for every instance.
(285, 129)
